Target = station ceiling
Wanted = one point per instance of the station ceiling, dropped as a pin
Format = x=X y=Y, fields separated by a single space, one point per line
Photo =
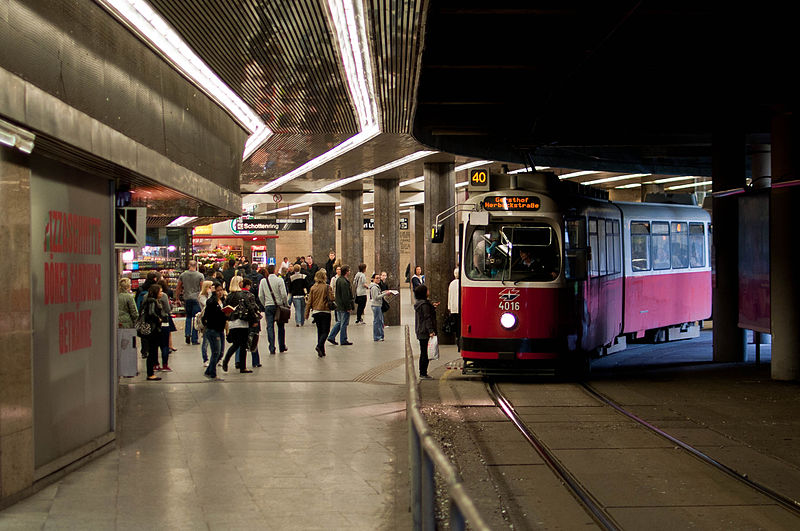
x=620 y=86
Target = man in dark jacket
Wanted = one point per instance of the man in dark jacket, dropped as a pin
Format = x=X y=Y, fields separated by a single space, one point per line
x=424 y=326
x=312 y=270
x=214 y=320
x=344 y=305
x=229 y=273
x=330 y=265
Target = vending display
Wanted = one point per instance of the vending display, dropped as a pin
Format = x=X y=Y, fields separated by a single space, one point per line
x=259 y=255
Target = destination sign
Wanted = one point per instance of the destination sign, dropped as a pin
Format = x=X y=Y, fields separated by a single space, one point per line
x=511 y=203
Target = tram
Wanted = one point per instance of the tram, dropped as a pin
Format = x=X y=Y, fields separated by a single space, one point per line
x=553 y=273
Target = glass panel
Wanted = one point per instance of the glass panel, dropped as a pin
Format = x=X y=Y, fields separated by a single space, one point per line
x=615 y=245
x=697 y=239
x=640 y=245
x=513 y=253
x=679 y=244
x=575 y=248
x=594 y=269
x=601 y=247
x=659 y=243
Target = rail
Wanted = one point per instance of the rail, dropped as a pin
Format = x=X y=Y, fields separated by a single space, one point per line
x=425 y=458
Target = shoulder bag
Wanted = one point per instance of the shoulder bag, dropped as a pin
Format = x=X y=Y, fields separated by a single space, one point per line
x=284 y=312
x=331 y=304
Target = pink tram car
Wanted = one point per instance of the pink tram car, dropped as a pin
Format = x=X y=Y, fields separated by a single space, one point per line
x=552 y=273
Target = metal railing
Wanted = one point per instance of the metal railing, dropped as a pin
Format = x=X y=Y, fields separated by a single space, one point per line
x=425 y=458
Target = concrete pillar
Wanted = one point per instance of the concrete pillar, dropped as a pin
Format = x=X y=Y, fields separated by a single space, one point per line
x=387 y=240
x=784 y=254
x=16 y=378
x=440 y=258
x=352 y=251
x=728 y=172
x=418 y=241
x=322 y=224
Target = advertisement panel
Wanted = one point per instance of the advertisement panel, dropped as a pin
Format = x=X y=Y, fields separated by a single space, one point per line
x=72 y=307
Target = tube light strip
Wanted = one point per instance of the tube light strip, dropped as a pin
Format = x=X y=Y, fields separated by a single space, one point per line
x=412 y=181
x=287 y=208
x=14 y=136
x=617 y=178
x=525 y=170
x=576 y=174
x=180 y=221
x=692 y=185
x=474 y=164
x=154 y=30
x=632 y=185
x=386 y=167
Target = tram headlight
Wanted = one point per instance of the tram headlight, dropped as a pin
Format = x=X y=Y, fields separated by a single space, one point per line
x=508 y=320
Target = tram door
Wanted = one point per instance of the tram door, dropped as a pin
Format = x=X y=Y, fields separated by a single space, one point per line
x=577 y=255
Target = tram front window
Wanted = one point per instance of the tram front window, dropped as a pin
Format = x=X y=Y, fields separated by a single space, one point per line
x=515 y=253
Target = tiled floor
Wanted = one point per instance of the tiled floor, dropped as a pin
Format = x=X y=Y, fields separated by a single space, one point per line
x=302 y=443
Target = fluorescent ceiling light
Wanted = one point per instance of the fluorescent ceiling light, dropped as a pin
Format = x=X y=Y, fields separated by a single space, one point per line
x=369 y=209
x=576 y=174
x=349 y=144
x=461 y=185
x=691 y=185
x=632 y=185
x=671 y=179
x=474 y=164
x=307 y=212
x=14 y=136
x=181 y=221
x=617 y=178
x=412 y=203
x=286 y=208
x=526 y=170
x=412 y=181
x=386 y=167
x=143 y=20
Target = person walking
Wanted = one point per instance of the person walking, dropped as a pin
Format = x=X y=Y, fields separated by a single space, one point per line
x=298 y=287
x=214 y=320
x=319 y=299
x=153 y=314
x=206 y=290
x=376 y=295
x=189 y=285
x=344 y=306
x=244 y=316
x=424 y=326
x=271 y=293
x=362 y=287
x=127 y=313
x=255 y=325
x=452 y=307
x=167 y=327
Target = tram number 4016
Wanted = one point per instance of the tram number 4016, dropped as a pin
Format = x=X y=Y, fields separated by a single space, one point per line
x=504 y=305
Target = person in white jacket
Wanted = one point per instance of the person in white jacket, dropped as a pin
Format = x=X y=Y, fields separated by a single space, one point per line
x=270 y=303
x=452 y=306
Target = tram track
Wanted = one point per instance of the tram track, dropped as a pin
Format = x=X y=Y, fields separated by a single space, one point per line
x=600 y=511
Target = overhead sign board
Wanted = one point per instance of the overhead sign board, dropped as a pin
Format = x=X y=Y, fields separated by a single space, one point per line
x=479 y=179
x=511 y=203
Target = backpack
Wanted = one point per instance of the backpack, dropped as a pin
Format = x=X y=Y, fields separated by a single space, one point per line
x=198 y=323
x=140 y=299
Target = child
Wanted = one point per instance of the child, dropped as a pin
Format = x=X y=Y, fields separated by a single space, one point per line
x=424 y=326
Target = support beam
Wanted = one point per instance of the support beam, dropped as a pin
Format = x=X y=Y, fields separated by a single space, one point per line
x=728 y=172
x=323 y=232
x=784 y=253
x=440 y=258
x=387 y=240
x=352 y=251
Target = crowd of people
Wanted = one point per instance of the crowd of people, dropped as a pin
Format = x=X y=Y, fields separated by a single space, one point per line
x=228 y=305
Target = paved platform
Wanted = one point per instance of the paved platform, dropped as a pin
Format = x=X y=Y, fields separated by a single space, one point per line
x=302 y=443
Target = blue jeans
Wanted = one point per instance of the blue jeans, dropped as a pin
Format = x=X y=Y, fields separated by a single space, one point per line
x=342 y=320
x=214 y=339
x=299 y=304
x=377 y=323
x=192 y=309
x=204 y=348
x=269 y=314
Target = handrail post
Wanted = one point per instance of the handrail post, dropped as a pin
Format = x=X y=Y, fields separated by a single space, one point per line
x=415 y=451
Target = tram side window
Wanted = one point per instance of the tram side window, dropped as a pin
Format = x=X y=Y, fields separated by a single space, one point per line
x=593 y=246
x=602 y=254
x=612 y=238
x=659 y=243
x=697 y=239
x=640 y=245
x=679 y=243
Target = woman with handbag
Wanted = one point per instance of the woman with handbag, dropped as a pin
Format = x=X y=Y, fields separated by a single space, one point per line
x=424 y=326
x=320 y=304
x=153 y=316
x=273 y=297
x=377 y=295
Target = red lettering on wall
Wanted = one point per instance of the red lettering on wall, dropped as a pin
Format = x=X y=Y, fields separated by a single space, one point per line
x=72 y=234
x=74 y=331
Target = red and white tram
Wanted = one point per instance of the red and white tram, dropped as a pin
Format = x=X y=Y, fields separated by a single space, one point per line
x=551 y=276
